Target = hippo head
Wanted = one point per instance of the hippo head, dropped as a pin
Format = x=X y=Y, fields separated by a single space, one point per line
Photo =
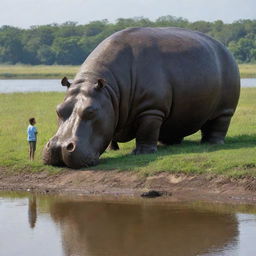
x=86 y=125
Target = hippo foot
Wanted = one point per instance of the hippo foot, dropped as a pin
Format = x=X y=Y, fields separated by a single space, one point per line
x=144 y=149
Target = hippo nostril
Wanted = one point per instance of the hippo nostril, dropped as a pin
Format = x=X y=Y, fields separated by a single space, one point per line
x=70 y=147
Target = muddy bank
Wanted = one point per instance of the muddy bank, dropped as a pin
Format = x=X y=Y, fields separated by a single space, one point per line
x=175 y=187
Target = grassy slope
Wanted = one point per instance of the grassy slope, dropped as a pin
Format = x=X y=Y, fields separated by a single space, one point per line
x=236 y=157
x=26 y=71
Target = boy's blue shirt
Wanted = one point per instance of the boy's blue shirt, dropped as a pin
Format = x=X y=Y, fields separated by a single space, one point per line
x=31 y=131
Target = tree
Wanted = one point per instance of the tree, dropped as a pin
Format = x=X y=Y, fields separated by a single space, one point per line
x=94 y=28
x=46 y=55
x=245 y=49
x=11 y=48
x=201 y=26
x=171 y=21
x=68 y=51
x=70 y=43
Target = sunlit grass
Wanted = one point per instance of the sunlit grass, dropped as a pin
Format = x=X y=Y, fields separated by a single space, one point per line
x=38 y=71
x=247 y=70
x=235 y=158
x=59 y=71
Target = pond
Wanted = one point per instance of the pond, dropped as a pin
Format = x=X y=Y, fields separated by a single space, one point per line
x=82 y=226
x=30 y=85
x=50 y=85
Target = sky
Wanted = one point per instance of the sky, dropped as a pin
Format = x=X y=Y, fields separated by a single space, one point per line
x=26 y=13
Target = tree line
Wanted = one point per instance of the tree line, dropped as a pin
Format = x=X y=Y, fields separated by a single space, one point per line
x=70 y=43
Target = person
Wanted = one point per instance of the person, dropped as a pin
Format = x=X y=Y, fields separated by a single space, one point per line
x=32 y=136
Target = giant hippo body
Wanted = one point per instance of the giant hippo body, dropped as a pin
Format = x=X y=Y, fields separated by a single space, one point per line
x=151 y=84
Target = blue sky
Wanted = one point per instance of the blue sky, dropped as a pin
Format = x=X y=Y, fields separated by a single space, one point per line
x=25 y=13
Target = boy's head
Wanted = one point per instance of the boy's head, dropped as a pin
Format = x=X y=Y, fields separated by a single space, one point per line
x=32 y=120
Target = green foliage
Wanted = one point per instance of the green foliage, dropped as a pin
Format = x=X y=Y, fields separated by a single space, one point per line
x=11 y=48
x=70 y=43
x=46 y=55
x=235 y=158
x=67 y=50
x=245 y=49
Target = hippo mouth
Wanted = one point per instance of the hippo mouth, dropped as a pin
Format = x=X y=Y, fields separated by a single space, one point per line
x=52 y=156
x=80 y=163
x=68 y=155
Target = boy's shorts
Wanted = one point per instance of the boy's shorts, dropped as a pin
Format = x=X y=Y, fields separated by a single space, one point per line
x=32 y=145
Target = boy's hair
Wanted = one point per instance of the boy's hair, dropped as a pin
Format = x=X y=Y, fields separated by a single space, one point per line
x=31 y=120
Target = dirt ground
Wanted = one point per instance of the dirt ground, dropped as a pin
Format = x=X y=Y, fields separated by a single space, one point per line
x=175 y=187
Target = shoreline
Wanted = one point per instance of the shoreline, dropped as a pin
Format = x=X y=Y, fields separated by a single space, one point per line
x=130 y=185
x=70 y=75
x=247 y=70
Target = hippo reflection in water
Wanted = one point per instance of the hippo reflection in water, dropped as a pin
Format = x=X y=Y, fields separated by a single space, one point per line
x=151 y=84
x=102 y=228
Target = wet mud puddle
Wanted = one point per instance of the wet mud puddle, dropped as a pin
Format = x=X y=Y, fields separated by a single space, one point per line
x=79 y=226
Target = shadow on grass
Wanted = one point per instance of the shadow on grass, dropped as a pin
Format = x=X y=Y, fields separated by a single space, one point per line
x=123 y=161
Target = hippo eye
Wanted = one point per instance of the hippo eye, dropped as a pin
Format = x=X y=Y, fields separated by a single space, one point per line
x=63 y=112
x=88 y=113
x=59 y=113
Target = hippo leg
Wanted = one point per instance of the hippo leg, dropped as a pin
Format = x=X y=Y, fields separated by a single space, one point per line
x=113 y=145
x=214 y=131
x=147 y=135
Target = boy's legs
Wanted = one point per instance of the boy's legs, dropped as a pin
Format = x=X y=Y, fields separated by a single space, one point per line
x=32 y=149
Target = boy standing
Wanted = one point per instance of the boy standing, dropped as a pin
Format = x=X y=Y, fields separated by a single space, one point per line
x=32 y=133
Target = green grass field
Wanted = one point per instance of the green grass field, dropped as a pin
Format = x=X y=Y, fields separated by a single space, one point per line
x=236 y=158
x=37 y=72
x=247 y=70
x=55 y=71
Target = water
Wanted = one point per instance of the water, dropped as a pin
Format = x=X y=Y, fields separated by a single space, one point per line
x=78 y=226
x=248 y=82
x=31 y=85
x=49 y=85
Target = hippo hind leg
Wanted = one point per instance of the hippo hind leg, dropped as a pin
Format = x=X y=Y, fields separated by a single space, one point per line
x=214 y=131
x=113 y=145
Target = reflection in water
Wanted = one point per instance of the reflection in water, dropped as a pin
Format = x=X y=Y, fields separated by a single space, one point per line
x=95 y=229
x=17 y=238
x=32 y=211
x=78 y=227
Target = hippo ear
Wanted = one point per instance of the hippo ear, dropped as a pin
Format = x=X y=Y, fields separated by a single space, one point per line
x=65 y=82
x=100 y=84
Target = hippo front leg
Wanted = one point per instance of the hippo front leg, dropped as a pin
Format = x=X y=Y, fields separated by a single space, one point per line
x=147 y=135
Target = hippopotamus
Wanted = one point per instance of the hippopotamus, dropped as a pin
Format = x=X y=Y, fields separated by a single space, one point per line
x=151 y=84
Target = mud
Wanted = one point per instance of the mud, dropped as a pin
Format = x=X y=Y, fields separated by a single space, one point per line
x=173 y=187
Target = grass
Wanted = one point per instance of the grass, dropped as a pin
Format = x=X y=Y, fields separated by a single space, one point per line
x=37 y=72
x=58 y=71
x=236 y=158
x=247 y=70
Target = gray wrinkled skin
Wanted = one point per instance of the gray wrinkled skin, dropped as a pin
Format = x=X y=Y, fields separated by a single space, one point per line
x=152 y=84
